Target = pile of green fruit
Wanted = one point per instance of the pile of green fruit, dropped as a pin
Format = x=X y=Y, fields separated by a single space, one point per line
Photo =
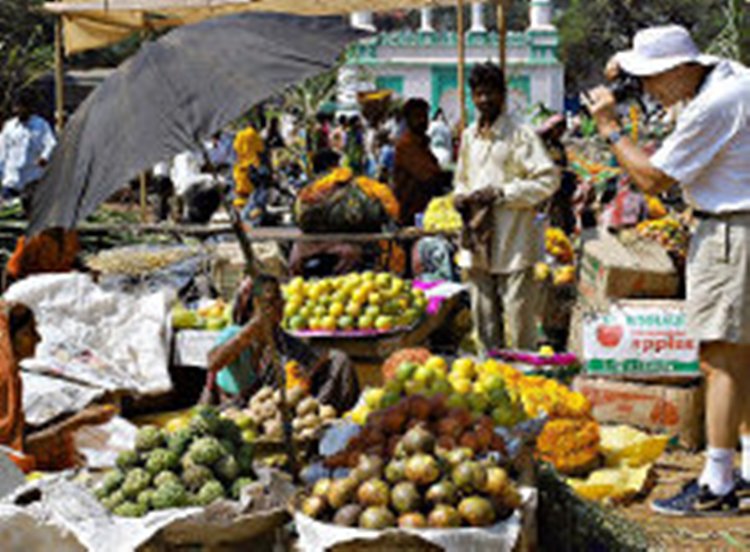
x=194 y=466
x=366 y=301
x=418 y=488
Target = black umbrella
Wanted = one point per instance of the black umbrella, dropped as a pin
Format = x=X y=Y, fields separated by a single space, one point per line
x=173 y=93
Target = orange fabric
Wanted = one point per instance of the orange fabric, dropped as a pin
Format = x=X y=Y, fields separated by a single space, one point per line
x=11 y=410
x=53 y=250
x=416 y=176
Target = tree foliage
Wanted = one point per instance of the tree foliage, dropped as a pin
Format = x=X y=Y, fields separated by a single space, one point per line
x=593 y=30
x=26 y=51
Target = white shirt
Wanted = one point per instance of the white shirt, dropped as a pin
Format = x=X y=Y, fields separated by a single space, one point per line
x=709 y=151
x=513 y=158
x=186 y=172
x=161 y=169
x=22 y=145
x=441 y=141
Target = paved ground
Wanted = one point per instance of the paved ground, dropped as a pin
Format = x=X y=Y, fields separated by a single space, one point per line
x=726 y=533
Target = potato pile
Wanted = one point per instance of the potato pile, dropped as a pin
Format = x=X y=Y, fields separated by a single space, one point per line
x=263 y=414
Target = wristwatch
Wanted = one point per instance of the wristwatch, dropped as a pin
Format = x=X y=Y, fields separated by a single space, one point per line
x=613 y=137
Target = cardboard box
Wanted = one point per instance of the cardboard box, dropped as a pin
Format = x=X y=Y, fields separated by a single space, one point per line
x=638 y=337
x=676 y=410
x=611 y=269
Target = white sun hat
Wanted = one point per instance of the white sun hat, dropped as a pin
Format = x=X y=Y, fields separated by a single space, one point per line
x=659 y=49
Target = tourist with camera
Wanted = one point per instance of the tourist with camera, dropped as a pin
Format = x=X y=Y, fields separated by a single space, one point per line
x=708 y=155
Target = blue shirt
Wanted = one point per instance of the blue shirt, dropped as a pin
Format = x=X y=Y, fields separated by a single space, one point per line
x=239 y=375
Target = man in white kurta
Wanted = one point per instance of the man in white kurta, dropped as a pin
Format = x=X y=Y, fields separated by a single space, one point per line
x=503 y=164
x=26 y=145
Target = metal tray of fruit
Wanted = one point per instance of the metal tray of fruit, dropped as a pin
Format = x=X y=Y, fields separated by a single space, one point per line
x=353 y=334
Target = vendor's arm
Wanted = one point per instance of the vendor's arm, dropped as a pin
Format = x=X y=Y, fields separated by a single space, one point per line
x=539 y=178
x=647 y=175
x=48 y=143
x=461 y=178
x=225 y=354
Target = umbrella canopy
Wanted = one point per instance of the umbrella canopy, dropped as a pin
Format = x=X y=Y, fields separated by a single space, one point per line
x=172 y=94
x=97 y=23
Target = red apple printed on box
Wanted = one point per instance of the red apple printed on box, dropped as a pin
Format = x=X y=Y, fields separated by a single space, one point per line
x=609 y=335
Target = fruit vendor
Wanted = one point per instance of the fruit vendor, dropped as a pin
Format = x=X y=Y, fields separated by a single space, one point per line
x=504 y=173
x=707 y=155
x=417 y=176
x=51 y=448
x=243 y=359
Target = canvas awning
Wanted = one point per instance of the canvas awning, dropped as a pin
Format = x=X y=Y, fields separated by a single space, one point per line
x=91 y=24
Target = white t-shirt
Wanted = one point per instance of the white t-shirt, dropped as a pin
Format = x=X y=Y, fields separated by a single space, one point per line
x=22 y=145
x=709 y=151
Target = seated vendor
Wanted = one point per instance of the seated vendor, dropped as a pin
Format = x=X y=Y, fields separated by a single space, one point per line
x=51 y=448
x=52 y=250
x=243 y=359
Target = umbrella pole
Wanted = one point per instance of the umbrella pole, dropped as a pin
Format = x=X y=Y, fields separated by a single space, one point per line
x=461 y=38
x=59 y=78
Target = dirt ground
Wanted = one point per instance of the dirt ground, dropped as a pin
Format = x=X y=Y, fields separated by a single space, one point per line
x=718 y=533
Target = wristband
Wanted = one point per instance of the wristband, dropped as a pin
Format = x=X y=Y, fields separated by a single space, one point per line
x=613 y=137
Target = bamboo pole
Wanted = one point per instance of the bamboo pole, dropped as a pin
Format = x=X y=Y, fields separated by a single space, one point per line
x=502 y=32
x=59 y=78
x=143 y=197
x=461 y=38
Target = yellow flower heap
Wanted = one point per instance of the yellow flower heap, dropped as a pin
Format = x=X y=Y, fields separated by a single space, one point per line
x=441 y=216
x=570 y=439
x=559 y=246
x=248 y=145
x=667 y=231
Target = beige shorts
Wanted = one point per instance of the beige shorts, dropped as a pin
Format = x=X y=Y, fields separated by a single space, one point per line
x=718 y=280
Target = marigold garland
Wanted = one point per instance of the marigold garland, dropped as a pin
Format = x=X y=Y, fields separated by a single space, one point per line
x=323 y=186
x=381 y=192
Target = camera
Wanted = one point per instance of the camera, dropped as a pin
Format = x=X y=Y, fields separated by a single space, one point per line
x=627 y=87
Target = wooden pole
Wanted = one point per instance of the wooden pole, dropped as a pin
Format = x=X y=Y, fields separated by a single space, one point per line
x=502 y=33
x=59 y=77
x=144 y=197
x=461 y=38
